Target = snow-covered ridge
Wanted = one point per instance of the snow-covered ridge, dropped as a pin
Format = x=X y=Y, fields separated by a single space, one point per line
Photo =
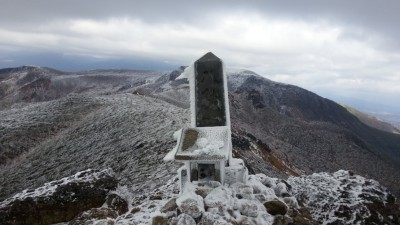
x=341 y=197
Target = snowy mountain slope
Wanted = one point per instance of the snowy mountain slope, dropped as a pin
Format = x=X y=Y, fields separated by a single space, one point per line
x=37 y=84
x=311 y=133
x=129 y=133
x=125 y=120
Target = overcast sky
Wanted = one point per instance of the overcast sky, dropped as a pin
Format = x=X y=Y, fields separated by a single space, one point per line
x=341 y=48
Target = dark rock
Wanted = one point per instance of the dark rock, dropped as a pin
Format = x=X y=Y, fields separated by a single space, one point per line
x=276 y=207
x=383 y=212
x=256 y=98
x=71 y=196
x=159 y=220
x=169 y=206
x=282 y=220
x=155 y=197
x=189 y=138
x=117 y=203
x=135 y=210
x=302 y=216
x=203 y=191
x=94 y=214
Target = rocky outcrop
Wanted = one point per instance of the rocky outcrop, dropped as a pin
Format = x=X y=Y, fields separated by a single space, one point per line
x=192 y=207
x=59 y=201
x=101 y=215
x=341 y=197
x=117 y=203
x=169 y=206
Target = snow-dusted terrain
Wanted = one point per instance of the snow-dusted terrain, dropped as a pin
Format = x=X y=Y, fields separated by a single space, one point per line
x=321 y=198
x=55 y=124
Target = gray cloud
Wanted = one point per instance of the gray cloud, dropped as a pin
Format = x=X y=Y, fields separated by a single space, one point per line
x=331 y=47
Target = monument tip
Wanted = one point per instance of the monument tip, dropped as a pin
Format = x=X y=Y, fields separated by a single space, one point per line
x=209 y=57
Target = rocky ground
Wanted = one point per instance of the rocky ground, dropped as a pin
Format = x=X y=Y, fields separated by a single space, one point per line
x=94 y=197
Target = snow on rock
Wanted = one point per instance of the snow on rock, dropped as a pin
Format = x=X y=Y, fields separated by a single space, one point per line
x=204 y=203
x=59 y=201
x=321 y=198
x=191 y=203
x=218 y=197
x=171 y=154
x=281 y=189
x=345 y=198
x=48 y=189
x=185 y=219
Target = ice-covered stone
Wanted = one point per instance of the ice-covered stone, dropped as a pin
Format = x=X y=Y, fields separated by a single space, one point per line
x=60 y=200
x=191 y=207
x=210 y=219
x=169 y=206
x=218 y=197
x=291 y=202
x=248 y=208
x=185 y=219
x=281 y=189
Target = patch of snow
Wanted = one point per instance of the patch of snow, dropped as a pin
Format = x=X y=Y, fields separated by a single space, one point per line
x=187 y=73
x=210 y=141
x=171 y=154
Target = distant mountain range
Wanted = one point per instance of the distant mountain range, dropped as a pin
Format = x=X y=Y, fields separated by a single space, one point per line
x=54 y=124
x=373 y=121
x=389 y=112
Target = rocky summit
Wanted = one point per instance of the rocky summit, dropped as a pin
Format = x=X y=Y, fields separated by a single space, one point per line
x=298 y=146
x=93 y=197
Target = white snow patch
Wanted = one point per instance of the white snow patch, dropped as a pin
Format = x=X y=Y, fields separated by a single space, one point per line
x=171 y=154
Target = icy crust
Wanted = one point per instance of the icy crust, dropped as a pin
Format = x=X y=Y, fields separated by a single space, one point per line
x=338 y=198
x=238 y=76
x=206 y=203
x=142 y=209
x=171 y=154
x=210 y=141
x=49 y=188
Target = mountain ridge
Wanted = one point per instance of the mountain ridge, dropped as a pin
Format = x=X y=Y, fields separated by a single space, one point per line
x=125 y=121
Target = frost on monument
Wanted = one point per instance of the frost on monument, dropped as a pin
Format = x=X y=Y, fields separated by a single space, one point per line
x=205 y=147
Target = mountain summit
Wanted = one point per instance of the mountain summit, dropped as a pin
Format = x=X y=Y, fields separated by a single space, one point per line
x=54 y=124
